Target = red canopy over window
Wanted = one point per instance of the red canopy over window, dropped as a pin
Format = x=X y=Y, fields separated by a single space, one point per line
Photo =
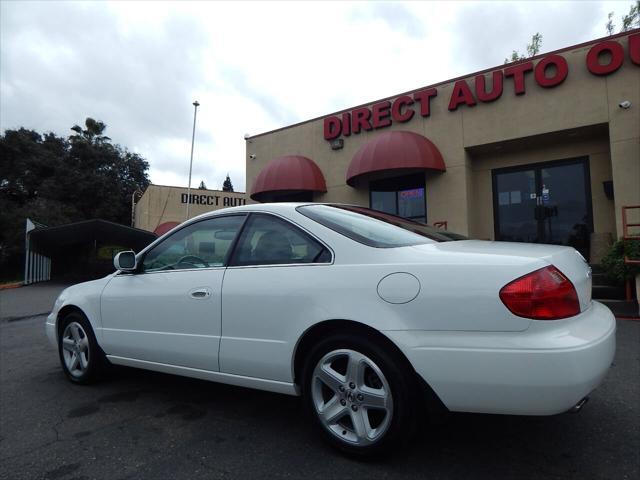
x=164 y=228
x=291 y=173
x=395 y=151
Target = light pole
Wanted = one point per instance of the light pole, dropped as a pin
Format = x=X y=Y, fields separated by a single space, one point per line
x=133 y=205
x=193 y=136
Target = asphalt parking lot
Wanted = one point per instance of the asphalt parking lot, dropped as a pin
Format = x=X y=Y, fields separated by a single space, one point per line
x=142 y=425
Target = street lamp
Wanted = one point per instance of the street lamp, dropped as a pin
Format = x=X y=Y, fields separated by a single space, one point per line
x=137 y=192
x=193 y=136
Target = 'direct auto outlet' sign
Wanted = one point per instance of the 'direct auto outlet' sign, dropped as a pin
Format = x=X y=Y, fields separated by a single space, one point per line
x=603 y=58
x=215 y=200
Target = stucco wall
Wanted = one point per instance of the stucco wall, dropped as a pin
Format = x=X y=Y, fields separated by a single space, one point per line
x=160 y=204
x=462 y=194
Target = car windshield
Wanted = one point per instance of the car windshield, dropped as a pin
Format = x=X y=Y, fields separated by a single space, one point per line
x=372 y=228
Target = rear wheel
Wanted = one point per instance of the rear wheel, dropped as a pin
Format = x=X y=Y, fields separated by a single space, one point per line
x=80 y=355
x=359 y=395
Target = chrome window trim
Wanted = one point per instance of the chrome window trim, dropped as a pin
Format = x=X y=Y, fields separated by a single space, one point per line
x=173 y=271
x=272 y=265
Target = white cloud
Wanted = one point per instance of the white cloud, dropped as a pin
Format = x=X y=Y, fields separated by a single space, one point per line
x=253 y=66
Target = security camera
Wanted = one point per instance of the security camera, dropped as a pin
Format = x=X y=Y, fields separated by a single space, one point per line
x=252 y=156
x=247 y=136
x=625 y=104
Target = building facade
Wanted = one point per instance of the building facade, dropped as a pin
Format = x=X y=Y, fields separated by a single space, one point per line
x=542 y=150
x=160 y=208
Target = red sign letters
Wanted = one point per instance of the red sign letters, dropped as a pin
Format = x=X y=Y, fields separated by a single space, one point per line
x=603 y=58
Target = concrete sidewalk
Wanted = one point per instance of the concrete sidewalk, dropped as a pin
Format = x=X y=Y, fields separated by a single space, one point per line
x=30 y=300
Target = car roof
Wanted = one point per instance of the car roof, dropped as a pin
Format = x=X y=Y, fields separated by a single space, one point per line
x=256 y=207
x=289 y=207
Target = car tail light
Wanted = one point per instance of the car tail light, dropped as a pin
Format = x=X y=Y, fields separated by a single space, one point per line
x=545 y=294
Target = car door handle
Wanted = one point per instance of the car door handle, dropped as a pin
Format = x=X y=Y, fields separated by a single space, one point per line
x=200 y=293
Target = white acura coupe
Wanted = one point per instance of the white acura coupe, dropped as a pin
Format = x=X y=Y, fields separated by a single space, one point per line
x=373 y=319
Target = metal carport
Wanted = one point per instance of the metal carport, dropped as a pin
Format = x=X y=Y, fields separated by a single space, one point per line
x=72 y=249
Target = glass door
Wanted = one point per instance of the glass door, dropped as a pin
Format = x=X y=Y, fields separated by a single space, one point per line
x=565 y=205
x=544 y=203
x=516 y=199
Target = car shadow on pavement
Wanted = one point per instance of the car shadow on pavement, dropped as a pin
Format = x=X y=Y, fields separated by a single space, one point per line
x=463 y=446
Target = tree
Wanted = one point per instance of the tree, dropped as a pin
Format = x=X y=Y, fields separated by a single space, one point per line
x=629 y=21
x=610 y=26
x=515 y=57
x=56 y=180
x=227 y=186
x=632 y=20
x=533 y=49
x=202 y=185
x=92 y=134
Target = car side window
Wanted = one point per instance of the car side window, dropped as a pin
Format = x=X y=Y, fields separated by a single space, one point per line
x=268 y=240
x=203 y=244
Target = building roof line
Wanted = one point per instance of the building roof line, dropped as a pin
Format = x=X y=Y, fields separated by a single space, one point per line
x=451 y=80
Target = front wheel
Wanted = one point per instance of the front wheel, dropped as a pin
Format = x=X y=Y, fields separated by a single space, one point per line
x=80 y=355
x=359 y=395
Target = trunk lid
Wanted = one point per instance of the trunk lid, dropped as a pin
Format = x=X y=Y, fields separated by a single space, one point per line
x=566 y=259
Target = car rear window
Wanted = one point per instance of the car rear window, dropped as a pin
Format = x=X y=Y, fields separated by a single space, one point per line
x=366 y=226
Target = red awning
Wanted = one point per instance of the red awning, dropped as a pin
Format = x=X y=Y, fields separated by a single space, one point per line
x=291 y=173
x=395 y=151
x=164 y=228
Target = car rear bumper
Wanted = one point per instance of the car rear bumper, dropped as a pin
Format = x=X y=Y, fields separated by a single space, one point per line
x=544 y=370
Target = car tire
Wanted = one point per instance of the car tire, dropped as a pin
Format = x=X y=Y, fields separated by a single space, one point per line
x=360 y=395
x=81 y=357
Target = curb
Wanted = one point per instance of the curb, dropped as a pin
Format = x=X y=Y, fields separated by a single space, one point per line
x=7 y=286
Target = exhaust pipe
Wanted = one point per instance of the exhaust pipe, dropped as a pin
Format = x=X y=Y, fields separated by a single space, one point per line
x=578 y=406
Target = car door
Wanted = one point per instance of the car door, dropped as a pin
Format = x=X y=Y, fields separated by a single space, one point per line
x=169 y=311
x=265 y=292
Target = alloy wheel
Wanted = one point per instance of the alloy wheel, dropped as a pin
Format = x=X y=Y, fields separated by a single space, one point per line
x=75 y=349
x=352 y=397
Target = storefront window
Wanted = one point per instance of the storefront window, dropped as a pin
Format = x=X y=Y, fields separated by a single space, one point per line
x=291 y=197
x=402 y=196
x=411 y=203
x=386 y=202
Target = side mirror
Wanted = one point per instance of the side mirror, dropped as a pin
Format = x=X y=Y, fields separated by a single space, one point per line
x=125 y=261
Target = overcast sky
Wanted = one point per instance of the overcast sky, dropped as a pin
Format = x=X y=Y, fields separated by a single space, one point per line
x=253 y=67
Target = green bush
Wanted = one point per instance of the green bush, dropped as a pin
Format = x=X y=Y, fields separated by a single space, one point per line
x=613 y=262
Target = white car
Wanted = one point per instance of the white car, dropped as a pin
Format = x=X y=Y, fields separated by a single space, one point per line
x=373 y=319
